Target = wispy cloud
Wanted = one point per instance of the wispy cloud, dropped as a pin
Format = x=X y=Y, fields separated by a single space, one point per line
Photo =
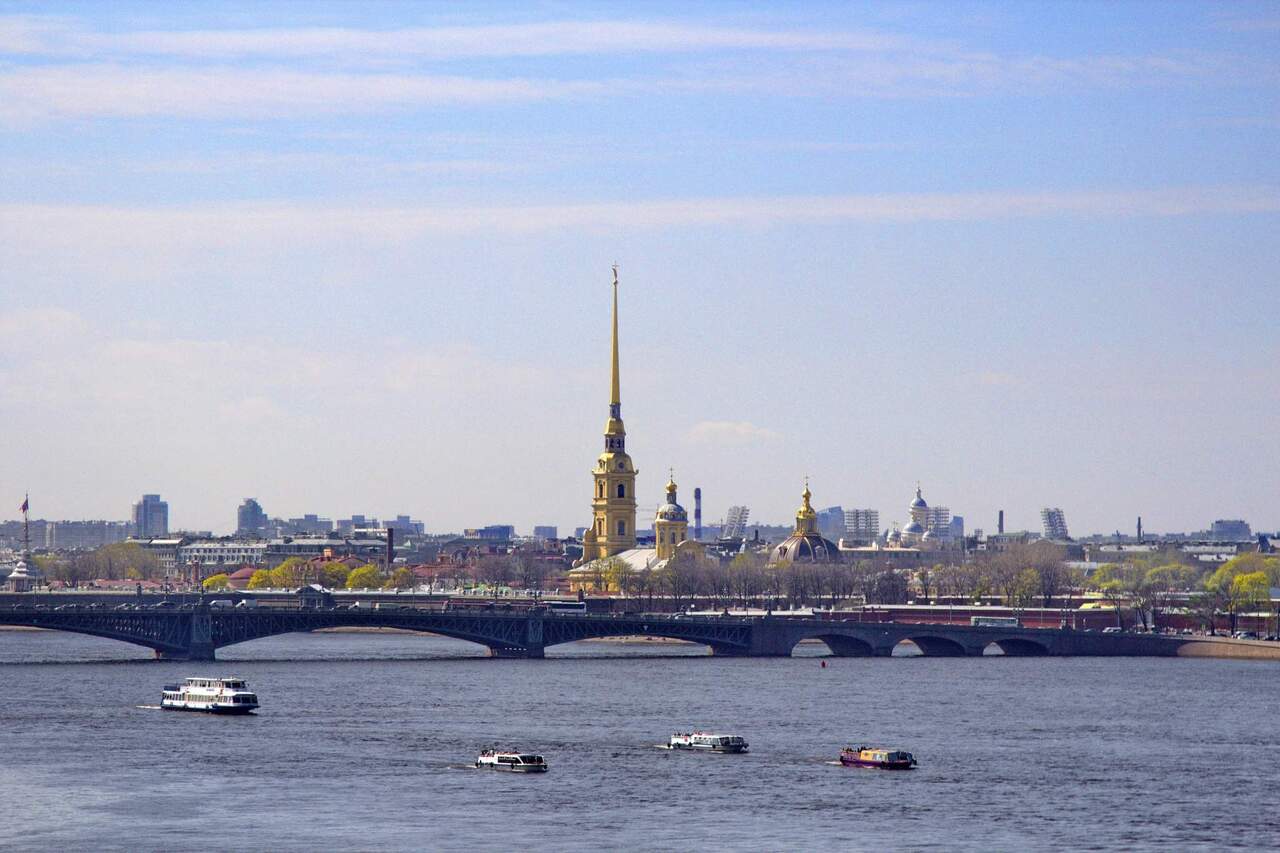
x=47 y=227
x=287 y=73
x=63 y=37
x=222 y=92
x=737 y=432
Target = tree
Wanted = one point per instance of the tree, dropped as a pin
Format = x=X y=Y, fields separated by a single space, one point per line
x=261 y=579
x=618 y=575
x=1234 y=588
x=746 y=575
x=496 y=570
x=401 y=578
x=1118 y=583
x=216 y=582
x=365 y=577
x=332 y=574
x=291 y=573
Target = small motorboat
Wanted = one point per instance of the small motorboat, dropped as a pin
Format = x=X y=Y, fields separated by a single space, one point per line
x=881 y=759
x=514 y=762
x=707 y=741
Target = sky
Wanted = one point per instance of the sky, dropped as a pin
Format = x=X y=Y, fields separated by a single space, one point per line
x=355 y=258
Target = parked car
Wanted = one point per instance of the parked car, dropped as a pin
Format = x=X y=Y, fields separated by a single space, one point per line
x=1111 y=630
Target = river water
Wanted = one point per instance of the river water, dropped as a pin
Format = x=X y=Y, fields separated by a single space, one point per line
x=365 y=741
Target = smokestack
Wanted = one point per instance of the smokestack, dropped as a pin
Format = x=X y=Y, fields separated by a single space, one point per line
x=697 y=514
x=1000 y=522
x=1139 y=530
x=391 y=547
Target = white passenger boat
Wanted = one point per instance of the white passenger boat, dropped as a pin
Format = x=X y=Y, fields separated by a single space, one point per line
x=708 y=741
x=212 y=695
x=515 y=762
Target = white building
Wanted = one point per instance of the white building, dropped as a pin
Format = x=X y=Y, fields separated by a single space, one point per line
x=862 y=525
x=222 y=553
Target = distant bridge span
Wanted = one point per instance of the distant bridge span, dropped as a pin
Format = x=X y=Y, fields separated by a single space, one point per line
x=196 y=632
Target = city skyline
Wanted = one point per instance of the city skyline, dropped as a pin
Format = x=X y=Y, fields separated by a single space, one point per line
x=1023 y=256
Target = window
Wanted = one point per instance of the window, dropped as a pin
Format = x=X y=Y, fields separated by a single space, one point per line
x=622 y=528
x=622 y=490
x=600 y=489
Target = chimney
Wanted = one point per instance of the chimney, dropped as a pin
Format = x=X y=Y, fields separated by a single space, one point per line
x=1139 y=530
x=1000 y=522
x=391 y=547
x=697 y=514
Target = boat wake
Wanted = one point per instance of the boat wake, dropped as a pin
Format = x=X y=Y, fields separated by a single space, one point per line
x=149 y=707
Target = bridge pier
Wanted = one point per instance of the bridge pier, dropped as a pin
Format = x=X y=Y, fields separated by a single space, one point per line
x=507 y=652
x=203 y=652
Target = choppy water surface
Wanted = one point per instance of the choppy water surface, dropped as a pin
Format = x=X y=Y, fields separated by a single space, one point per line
x=365 y=742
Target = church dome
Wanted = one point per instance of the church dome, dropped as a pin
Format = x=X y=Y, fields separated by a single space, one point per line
x=919 y=503
x=913 y=529
x=671 y=510
x=805 y=544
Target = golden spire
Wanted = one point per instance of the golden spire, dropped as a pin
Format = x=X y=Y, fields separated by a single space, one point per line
x=671 y=484
x=616 y=398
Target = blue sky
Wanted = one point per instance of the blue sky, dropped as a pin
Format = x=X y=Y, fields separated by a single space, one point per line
x=354 y=257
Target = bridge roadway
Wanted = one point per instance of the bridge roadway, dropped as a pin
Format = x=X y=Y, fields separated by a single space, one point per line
x=196 y=632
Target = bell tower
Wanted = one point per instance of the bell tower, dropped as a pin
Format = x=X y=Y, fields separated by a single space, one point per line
x=613 y=501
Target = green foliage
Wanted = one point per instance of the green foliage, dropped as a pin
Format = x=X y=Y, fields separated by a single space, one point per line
x=401 y=578
x=216 y=582
x=261 y=579
x=366 y=577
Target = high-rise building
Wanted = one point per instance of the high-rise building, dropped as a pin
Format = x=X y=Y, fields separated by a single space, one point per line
x=735 y=522
x=1231 y=530
x=613 y=500
x=546 y=531
x=251 y=520
x=403 y=525
x=831 y=521
x=861 y=525
x=1055 y=523
x=84 y=535
x=310 y=524
x=938 y=521
x=150 y=517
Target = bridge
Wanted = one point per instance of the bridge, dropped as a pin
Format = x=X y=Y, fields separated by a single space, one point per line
x=195 y=632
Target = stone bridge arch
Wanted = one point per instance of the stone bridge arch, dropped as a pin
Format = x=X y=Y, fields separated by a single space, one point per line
x=1020 y=647
x=841 y=645
x=931 y=645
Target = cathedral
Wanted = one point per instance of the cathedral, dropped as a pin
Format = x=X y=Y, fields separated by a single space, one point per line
x=612 y=534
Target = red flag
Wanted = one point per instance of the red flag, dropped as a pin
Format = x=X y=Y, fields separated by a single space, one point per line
x=23 y=508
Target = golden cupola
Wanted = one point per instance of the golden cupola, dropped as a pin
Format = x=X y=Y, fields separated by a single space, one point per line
x=805 y=544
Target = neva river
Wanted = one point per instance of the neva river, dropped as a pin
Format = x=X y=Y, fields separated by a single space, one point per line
x=365 y=742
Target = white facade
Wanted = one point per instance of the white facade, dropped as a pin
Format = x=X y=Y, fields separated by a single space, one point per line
x=223 y=553
x=862 y=525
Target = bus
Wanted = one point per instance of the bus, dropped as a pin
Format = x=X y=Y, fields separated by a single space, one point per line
x=566 y=606
x=995 y=622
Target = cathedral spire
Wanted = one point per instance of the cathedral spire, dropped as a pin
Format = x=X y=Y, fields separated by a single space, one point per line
x=615 y=395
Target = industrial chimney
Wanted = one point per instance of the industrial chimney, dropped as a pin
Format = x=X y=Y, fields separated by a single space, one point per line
x=1000 y=522
x=697 y=514
x=1139 y=530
